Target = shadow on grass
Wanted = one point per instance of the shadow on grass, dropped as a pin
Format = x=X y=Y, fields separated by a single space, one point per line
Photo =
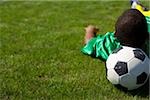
x=142 y=91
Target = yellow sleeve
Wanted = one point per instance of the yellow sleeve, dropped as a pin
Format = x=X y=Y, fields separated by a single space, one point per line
x=145 y=13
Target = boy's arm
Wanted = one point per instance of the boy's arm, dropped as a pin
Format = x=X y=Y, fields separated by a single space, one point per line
x=89 y=40
x=89 y=48
x=101 y=46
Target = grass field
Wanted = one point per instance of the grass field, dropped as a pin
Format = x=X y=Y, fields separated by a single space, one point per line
x=40 y=56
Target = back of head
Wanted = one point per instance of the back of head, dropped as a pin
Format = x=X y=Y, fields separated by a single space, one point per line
x=131 y=28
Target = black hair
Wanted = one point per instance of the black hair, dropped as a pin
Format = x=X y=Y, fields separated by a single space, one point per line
x=131 y=28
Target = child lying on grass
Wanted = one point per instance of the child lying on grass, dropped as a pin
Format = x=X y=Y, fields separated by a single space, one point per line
x=131 y=29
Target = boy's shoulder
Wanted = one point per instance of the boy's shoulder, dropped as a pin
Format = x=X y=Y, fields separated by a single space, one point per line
x=106 y=35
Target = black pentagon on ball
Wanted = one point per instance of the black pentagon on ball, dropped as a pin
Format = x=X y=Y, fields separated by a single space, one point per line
x=121 y=68
x=139 y=54
x=116 y=50
x=141 y=78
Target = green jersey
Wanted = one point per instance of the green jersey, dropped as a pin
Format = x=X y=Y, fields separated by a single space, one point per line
x=148 y=23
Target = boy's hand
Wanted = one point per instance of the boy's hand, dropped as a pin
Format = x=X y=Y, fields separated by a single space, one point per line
x=91 y=29
x=90 y=32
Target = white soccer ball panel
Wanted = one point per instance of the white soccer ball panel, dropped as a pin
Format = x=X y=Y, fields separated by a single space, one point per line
x=128 y=48
x=125 y=54
x=146 y=65
x=112 y=76
x=128 y=81
x=111 y=61
x=135 y=67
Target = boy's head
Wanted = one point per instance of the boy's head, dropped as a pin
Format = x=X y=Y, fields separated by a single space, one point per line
x=131 y=28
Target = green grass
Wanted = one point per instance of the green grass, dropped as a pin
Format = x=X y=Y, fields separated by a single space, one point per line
x=40 y=54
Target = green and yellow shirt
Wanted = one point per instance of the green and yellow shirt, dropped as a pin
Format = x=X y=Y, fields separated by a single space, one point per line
x=103 y=45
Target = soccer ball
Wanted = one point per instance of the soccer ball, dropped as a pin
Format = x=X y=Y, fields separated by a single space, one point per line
x=128 y=67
